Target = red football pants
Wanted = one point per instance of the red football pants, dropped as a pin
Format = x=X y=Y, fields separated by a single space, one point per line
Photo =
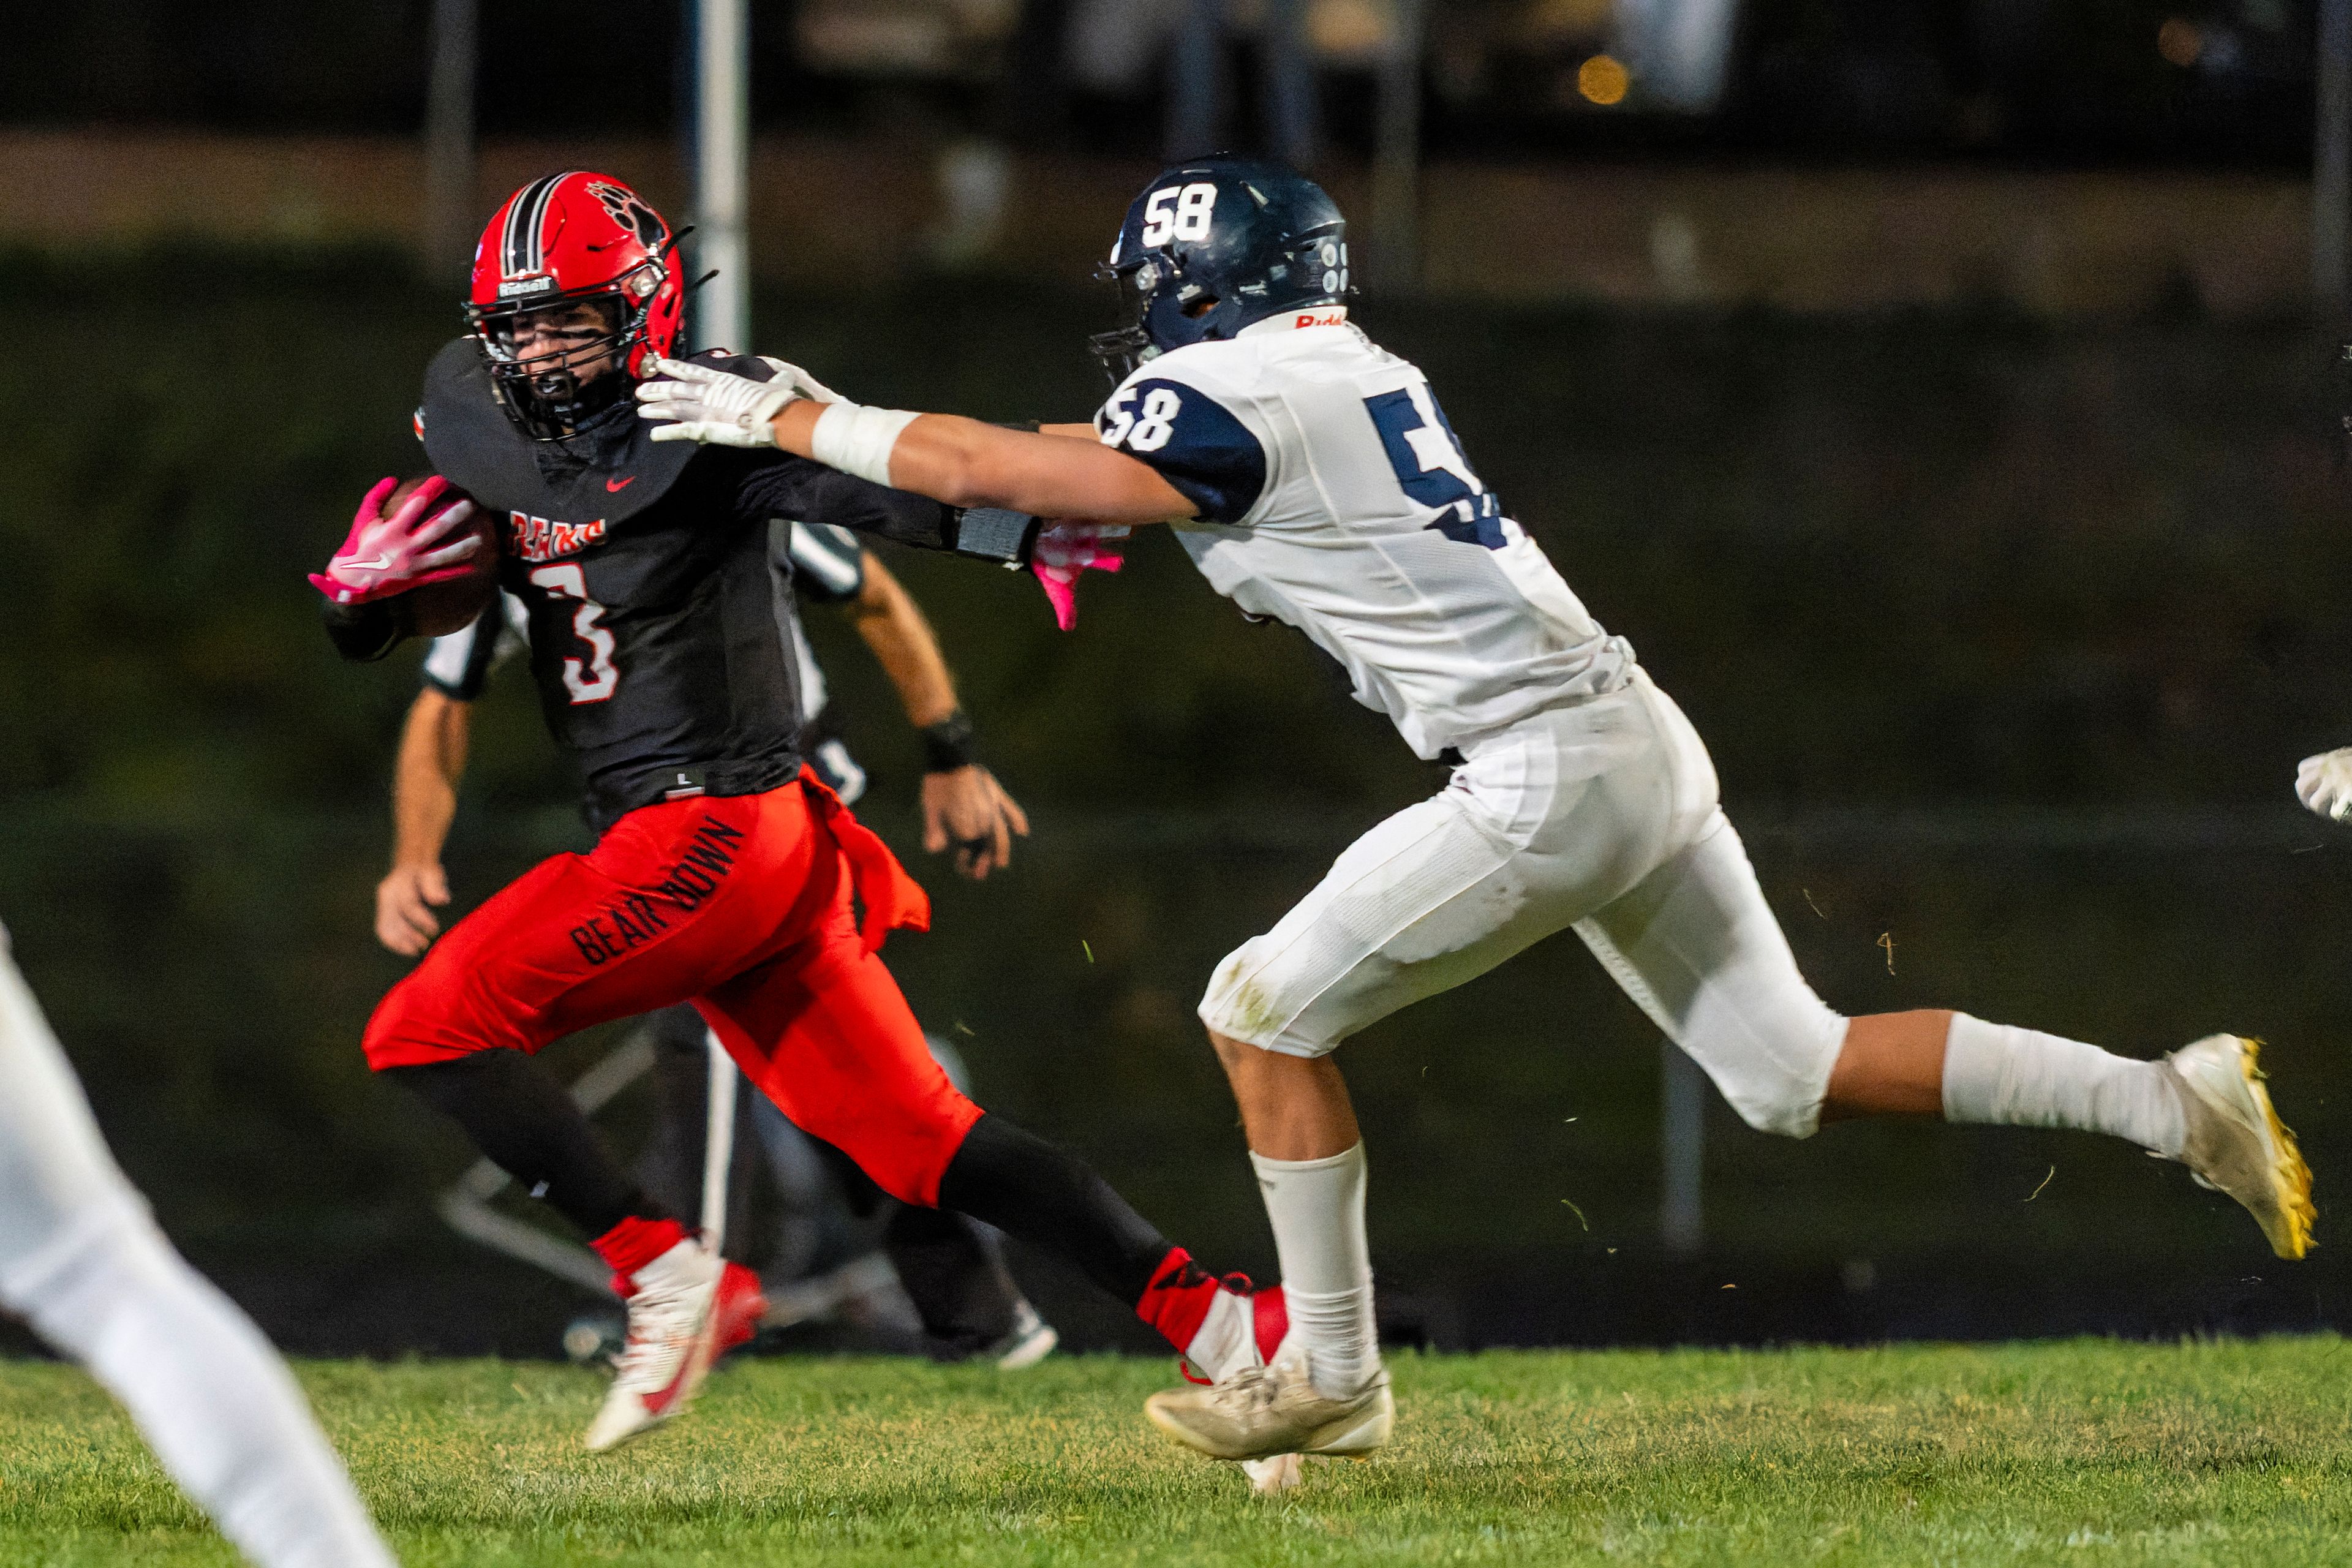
x=741 y=904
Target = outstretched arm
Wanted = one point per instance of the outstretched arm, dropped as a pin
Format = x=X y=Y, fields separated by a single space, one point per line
x=998 y=486
x=424 y=801
x=962 y=803
x=968 y=463
x=1060 y=473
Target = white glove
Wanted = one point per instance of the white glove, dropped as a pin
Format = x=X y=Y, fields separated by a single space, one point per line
x=2324 y=783
x=801 y=381
x=714 y=406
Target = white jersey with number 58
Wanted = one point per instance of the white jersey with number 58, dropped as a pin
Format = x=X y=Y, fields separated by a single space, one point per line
x=1334 y=497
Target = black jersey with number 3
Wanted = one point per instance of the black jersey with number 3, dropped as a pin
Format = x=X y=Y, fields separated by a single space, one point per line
x=643 y=567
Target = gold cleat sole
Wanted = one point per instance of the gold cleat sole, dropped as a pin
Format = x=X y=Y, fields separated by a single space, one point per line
x=2237 y=1145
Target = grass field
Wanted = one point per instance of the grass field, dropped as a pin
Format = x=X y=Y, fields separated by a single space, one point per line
x=2080 y=1453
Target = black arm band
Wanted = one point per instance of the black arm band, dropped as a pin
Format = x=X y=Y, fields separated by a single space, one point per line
x=992 y=533
x=949 y=744
x=365 y=632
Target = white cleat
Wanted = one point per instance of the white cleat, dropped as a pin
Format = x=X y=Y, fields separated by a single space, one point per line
x=2237 y=1144
x=1033 y=1338
x=1262 y=1412
x=686 y=1303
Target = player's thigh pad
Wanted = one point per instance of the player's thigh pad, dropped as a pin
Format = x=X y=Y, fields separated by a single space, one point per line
x=1541 y=827
x=674 y=898
x=60 y=1190
x=824 y=1031
x=1698 y=947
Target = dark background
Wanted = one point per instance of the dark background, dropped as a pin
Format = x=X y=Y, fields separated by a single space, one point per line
x=2046 y=79
x=2006 y=628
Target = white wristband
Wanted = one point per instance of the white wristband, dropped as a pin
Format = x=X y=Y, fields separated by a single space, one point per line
x=857 y=439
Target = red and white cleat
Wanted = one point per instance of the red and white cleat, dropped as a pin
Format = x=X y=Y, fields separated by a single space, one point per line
x=687 y=1308
x=1222 y=1351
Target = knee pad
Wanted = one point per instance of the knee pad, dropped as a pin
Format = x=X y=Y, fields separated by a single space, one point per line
x=1239 y=1006
x=1771 y=1060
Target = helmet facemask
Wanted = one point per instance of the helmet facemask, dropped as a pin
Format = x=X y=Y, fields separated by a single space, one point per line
x=558 y=365
x=1126 y=347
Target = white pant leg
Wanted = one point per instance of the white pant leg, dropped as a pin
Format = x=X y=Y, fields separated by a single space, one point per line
x=1541 y=826
x=80 y=1259
x=1698 y=948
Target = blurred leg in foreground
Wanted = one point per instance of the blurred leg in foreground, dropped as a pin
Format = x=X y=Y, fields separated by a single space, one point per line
x=82 y=1261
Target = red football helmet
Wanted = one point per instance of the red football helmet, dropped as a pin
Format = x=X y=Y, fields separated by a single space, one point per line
x=573 y=291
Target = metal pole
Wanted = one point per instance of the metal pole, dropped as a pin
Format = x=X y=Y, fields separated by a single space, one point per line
x=1682 y=1148
x=1396 y=153
x=722 y=169
x=718 y=1143
x=2331 y=163
x=1290 y=108
x=449 y=139
x=1196 y=88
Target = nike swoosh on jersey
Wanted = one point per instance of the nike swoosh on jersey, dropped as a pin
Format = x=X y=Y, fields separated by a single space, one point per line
x=620 y=484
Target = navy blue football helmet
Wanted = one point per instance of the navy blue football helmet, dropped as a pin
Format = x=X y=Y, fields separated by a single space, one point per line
x=1214 y=245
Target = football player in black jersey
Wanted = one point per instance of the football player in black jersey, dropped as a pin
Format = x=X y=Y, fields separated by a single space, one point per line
x=952 y=1270
x=726 y=873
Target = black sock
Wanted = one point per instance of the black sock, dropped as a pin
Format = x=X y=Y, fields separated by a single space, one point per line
x=521 y=1118
x=1024 y=1187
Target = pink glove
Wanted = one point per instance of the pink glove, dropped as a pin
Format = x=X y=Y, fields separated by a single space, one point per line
x=1066 y=549
x=414 y=546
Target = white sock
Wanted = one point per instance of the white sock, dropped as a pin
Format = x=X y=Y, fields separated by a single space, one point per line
x=1317 y=1210
x=216 y=1404
x=1226 y=1341
x=2018 y=1078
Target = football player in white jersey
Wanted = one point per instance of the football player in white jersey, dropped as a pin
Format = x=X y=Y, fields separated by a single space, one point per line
x=82 y=1262
x=1313 y=479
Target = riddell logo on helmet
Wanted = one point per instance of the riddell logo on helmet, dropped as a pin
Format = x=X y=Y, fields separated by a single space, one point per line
x=538 y=539
x=525 y=286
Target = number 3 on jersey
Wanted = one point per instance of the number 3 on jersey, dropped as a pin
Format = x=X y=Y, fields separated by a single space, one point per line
x=1429 y=464
x=596 y=679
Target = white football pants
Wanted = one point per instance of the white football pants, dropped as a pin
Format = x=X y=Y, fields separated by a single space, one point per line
x=80 y=1258
x=1601 y=816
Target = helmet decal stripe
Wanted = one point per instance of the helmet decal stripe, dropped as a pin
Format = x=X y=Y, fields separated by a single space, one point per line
x=525 y=250
x=539 y=220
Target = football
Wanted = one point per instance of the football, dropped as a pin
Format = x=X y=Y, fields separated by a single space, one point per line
x=439 y=608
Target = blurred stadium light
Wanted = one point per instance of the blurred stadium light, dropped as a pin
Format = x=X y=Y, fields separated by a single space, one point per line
x=952 y=38
x=1677 y=52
